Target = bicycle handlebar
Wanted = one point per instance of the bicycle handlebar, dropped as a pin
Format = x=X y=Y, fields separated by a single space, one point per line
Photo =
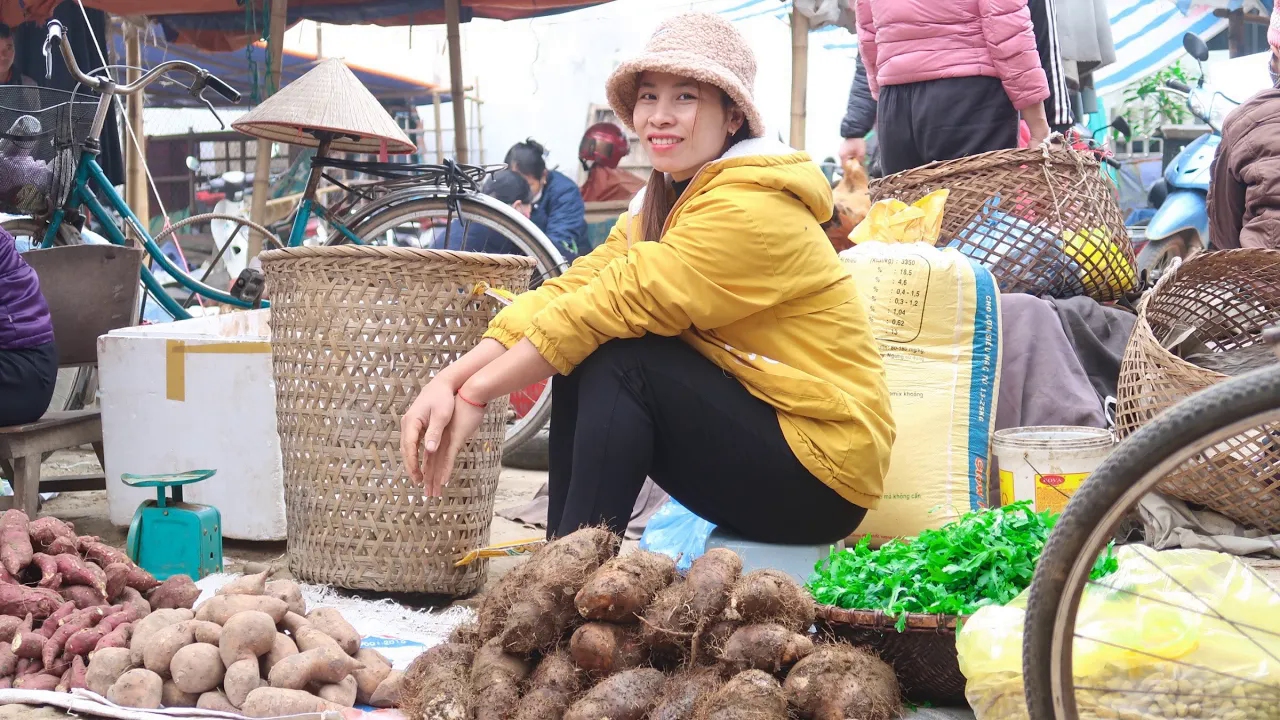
x=104 y=85
x=1177 y=85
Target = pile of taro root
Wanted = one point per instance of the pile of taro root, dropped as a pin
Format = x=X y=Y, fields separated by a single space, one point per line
x=77 y=613
x=579 y=634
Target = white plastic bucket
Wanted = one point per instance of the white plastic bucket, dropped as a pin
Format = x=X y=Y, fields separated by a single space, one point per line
x=1047 y=464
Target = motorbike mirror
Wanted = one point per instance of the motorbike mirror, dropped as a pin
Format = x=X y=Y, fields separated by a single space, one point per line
x=1122 y=126
x=1195 y=47
x=193 y=164
x=233 y=177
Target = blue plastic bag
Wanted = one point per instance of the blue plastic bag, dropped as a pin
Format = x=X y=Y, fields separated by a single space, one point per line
x=675 y=531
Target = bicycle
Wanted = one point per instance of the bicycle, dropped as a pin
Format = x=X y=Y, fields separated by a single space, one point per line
x=1233 y=418
x=407 y=194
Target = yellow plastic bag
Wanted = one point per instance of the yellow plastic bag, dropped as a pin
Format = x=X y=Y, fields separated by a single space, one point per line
x=893 y=221
x=1173 y=634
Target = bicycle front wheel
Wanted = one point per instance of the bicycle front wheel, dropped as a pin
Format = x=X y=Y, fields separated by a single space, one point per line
x=1222 y=419
x=531 y=407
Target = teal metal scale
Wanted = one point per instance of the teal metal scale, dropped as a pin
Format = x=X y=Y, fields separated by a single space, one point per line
x=170 y=537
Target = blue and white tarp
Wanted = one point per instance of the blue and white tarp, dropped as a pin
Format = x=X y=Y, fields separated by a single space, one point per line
x=1148 y=38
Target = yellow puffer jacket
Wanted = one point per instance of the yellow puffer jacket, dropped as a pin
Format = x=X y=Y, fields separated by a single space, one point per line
x=744 y=274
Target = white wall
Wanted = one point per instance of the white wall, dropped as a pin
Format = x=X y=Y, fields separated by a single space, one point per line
x=537 y=77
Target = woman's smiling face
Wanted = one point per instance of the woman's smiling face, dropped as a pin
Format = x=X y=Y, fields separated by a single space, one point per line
x=682 y=123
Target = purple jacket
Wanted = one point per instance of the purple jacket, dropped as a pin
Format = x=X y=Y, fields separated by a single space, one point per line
x=24 y=314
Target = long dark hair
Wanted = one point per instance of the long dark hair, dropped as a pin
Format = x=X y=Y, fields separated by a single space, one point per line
x=660 y=199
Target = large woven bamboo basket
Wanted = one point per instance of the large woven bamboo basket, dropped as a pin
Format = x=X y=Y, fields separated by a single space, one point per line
x=1223 y=300
x=1044 y=221
x=357 y=331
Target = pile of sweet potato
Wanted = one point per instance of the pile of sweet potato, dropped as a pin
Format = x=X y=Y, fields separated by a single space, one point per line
x=578 y=634
x=251 y=649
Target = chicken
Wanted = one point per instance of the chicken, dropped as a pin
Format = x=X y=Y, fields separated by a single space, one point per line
x=852 y=201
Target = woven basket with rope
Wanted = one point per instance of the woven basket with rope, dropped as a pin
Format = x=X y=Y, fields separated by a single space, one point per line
x=357 y=331
x=1218 y=303
x=1044 y=221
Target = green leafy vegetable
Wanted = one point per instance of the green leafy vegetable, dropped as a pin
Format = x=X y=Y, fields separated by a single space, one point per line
x=984 y=558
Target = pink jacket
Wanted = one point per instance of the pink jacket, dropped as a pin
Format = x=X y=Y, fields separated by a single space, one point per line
x=907 y=41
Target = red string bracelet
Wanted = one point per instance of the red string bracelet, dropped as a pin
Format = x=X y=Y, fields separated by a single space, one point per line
x=472 y=403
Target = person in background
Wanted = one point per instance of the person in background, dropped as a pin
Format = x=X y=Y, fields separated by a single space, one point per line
x=28 y=358
x=558 y=210
x=602 y=149
x=506 y=186
x=714 y=343
x=1244 y=185
x=955 y=76
x=8 y=53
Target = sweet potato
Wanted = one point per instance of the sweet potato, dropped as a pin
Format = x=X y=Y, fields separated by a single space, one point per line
x=604 y=648
x=290 y=593
x=15 y=542
x=79 y=673
x=628 y=695
x=220 y=608
x=38 y=681
x=216 y=700
x=157 y=654
x=771 y=648
x=323 y=666
x=342 y=694
x=6 y=683
x=8 y=661
x=179 y=591
x=62 y=545
x=624 y=586
x=246 y=585
x=138 y=689
x=771 y=597
x=247 y=635
x=82 y=596
x=49 y=575
x=270 y=702
x=676 y=612
x=28 y=645
x=751 y=695
x=45 y=530
x=149 y=625
x=52 y=622
x=197 y=668
x=117 y=578
x=117 y=638
x=60 y=665
x=840 y=681
x=281 y=648
x=134 y=599
x=389 y=693
x=375 y=670
x=78 y=572
x=98 y=552
x=9 y=627
x=171 y=696
x=306 y=635
x=85 y=641
x=28 y=666
x=19 y=601
x=684 y=692
x=72 y=624
x=243 y=677
x=331 y=623
x=552 y=687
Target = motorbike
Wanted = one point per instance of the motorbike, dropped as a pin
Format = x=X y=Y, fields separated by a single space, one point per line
x=1180 y=226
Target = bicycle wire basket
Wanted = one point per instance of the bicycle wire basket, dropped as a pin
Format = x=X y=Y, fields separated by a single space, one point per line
x=1044 y=221
x=1221 y=302
x=40 y=130
x=356 y=332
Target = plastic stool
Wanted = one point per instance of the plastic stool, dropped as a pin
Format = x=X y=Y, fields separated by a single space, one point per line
x=795 y=560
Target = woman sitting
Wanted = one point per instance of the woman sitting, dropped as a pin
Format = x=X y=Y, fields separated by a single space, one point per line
x=28 y=358
x=714 y=343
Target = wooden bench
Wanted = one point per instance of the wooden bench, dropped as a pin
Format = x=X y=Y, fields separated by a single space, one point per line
x=91 y=290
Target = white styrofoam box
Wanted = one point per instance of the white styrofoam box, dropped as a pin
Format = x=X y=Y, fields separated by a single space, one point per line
x=191 y=395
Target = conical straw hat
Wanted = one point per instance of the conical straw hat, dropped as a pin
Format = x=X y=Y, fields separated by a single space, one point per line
x=328 y=98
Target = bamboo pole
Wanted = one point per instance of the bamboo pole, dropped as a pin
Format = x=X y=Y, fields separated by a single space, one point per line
x=799 y=76
x=479 y=125
x=453 y=19
x=435 y=103
x=262 y=164
x=137 y=194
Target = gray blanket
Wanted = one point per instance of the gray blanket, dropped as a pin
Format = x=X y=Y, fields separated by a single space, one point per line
x=1041 y=380
x=1099 y=335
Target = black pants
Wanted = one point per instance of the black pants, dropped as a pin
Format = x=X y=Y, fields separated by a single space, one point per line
x=27 y=378
x=654 y=407
x=924 y=122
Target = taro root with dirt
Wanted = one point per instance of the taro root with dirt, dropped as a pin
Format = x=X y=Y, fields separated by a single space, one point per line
x=678 y=611
x=551 y=689
x=624 y=586
x=768 y=597
x=437 y=684
x=751 y=695
x=840 y=681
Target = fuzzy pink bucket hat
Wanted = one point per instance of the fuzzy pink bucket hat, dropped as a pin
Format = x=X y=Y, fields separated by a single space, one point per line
x=1273 y=31
x=700 y=46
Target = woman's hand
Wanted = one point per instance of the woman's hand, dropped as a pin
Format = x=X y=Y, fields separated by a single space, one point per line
x=427 y=419
x=466 y=419
x=1038 y=123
